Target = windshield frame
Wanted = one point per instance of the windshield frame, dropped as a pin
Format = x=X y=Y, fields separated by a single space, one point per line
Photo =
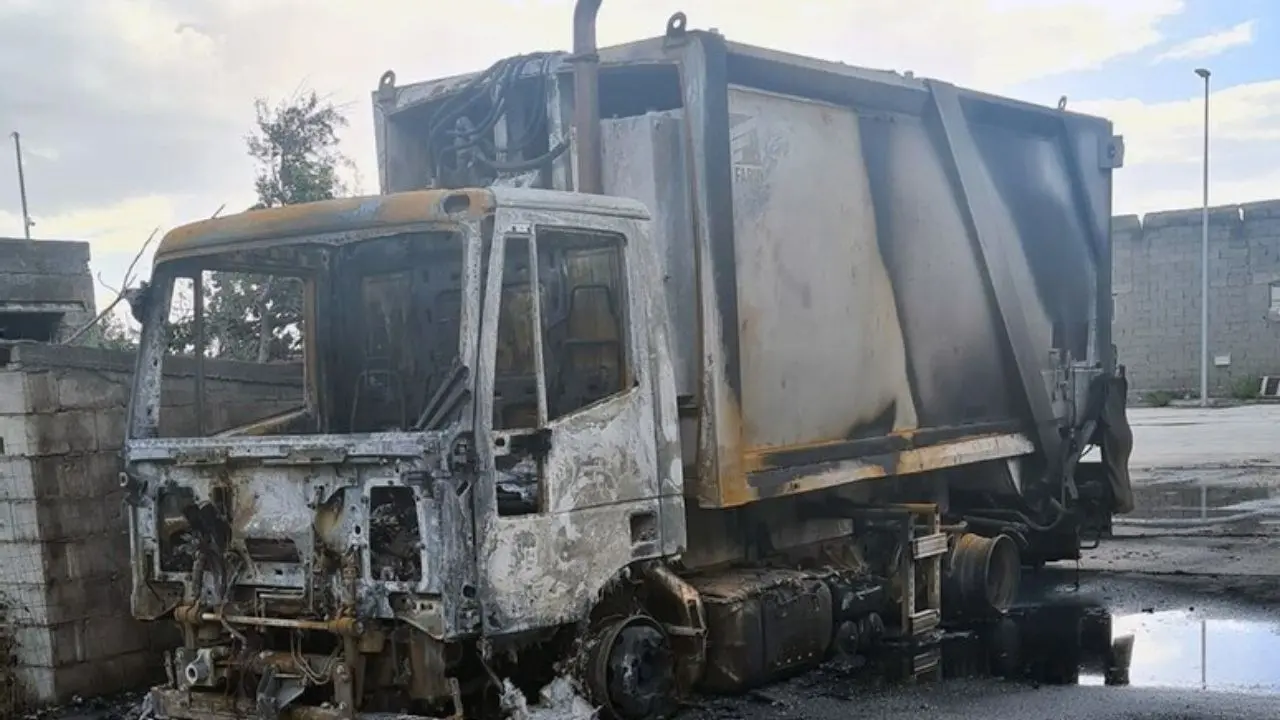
x=153 y=313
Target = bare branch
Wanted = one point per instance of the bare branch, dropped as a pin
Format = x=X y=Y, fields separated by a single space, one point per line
x=128 y=276
x=104 y=284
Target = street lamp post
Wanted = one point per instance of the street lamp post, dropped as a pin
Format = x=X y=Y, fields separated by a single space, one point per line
x=1204 y=253
x=22 y=185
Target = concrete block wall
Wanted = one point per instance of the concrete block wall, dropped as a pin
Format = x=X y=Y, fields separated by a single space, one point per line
x=64 y=549
x=1156 y=286
x=46 y=276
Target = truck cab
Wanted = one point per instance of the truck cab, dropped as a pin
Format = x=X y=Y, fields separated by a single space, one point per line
x=461 y=458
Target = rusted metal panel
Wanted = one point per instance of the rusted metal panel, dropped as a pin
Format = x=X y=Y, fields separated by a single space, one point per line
x=953 y=247
x=344 y=215
x=644 y=160
x=821 y=345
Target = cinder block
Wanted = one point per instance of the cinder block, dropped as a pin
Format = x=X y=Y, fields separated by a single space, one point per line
x=131 y=671
x=57 y=520
x=37 y=684
x=89 y=475
x=91 y=557
x=82 y=390
x=110 y=427
x=62 y=433
x=80 y=641
x=106 y=638
x=15 y=437
x=23 y=562
x=34 y=646
x=105 y=596
x=17 y=480
x=19 y=521
x=47 y=257
x=42 y=391
x=25 y=603
x=53 y=601
x=13 y=393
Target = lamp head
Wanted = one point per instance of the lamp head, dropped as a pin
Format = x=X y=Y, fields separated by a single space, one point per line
x=1203 y=72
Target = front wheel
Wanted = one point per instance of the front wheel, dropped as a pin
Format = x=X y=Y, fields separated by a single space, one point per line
x=631 y=673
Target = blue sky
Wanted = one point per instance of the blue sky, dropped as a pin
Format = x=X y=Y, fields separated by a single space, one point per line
x=1152 y=77
x=1156 y=101
x=133 y=112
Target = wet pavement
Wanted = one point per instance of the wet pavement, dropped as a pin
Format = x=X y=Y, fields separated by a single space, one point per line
x=1194 y=655
x=1182 y=649
x=1207 y=489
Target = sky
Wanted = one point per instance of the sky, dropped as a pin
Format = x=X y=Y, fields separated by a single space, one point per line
x=133 y=113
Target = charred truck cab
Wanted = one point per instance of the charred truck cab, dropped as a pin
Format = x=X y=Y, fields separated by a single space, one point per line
x=782 y=359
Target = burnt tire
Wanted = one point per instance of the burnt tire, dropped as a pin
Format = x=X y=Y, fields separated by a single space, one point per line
x=632 y=670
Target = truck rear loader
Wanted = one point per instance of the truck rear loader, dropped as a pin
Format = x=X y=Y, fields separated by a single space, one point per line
x=676 y=366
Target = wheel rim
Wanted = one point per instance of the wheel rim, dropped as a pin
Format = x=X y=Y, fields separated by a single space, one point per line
x=633 y=673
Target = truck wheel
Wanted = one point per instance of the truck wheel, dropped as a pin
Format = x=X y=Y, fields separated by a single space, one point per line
x=631 y=672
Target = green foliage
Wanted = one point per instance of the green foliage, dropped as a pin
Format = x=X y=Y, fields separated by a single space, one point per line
x=296 y=147
x=114 y=333
x=1158 y=398
x=1246 y=388
x=256 y=317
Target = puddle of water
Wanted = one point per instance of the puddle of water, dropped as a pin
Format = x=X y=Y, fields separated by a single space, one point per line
x=1192 y=500
x=1075 y=642
x=1182 y=650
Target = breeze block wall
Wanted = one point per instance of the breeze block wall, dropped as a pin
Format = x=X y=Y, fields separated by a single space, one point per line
x=1156 y=286
x=44 y=279
x=64 y=547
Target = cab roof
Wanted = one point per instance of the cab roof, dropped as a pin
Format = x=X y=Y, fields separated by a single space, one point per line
x=322 y=218
x=344 y=215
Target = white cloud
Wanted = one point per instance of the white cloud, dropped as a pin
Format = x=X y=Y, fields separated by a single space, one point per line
x=1210 y=45
x=116 y=232
x=988 y=44
x=117 y=227
x=1165 y=147
x=136 y=110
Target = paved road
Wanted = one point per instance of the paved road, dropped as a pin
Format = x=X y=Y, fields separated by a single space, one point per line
x=1189 y=464
x=993 y=700
x=1196 y=438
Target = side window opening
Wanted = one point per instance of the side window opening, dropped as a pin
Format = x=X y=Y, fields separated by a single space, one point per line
x=580 y=322
x=515 y=401
x=585 y=321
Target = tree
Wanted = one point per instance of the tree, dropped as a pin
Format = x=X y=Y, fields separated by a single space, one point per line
x=295 y=145
x=117 y=334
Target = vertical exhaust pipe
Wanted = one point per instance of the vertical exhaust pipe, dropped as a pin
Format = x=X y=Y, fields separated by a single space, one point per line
x=586 y=97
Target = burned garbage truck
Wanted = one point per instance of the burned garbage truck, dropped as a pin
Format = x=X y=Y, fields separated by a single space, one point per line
x=665 y=368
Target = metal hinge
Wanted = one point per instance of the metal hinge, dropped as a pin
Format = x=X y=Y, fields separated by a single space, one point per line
x=1111 y=156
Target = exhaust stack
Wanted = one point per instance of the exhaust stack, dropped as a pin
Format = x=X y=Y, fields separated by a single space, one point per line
x=586 y=97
